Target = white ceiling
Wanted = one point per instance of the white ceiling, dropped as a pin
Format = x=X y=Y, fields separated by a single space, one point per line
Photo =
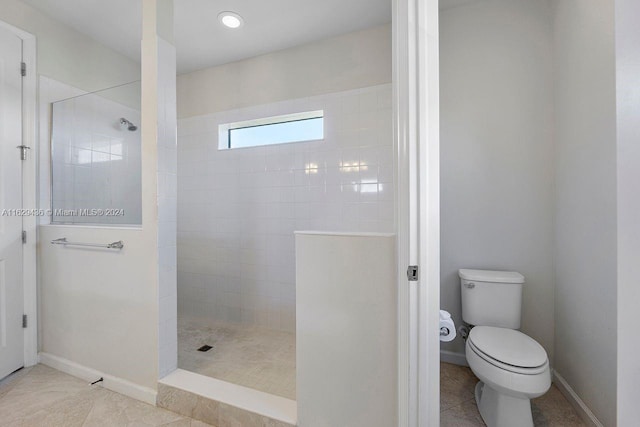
x=201 y=42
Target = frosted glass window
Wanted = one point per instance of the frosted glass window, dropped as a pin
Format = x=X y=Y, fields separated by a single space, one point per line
x=299 y=127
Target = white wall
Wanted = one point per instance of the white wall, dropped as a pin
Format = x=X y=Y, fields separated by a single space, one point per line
x=89 y=298
x=585 y=248
x=68 y=56
x=74 y=59
x=238 y=208
x=349 y=61
x=628 y=130
x=167 y=207
x=100 y=309
x=496 y=147
x=346 y=282
x=97 y=306
x=159 y=177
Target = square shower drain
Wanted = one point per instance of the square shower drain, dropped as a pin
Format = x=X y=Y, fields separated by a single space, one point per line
x=205 y=348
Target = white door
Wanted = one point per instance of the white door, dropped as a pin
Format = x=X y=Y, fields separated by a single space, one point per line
x=11 y=290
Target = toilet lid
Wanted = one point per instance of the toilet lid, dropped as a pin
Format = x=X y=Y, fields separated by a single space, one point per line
x=508 y=346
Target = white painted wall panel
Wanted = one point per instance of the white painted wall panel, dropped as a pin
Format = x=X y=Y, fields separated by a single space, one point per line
x=349 y=61
x=585 y=161
x=628 y=133
x=346 y=300
x=496 y=149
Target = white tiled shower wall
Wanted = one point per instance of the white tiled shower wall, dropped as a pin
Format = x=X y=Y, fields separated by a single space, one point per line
x=238 y=209
x=95 y=160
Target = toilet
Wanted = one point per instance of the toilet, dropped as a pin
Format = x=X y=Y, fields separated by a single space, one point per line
x=512 y=367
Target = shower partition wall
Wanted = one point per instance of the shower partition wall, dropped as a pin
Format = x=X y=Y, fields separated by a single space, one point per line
x=95 y=152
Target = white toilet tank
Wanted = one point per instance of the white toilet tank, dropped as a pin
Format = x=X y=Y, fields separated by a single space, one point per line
x=491 y=298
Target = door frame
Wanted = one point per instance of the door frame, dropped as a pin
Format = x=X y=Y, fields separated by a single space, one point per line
x=416 y=131
x=29 y=192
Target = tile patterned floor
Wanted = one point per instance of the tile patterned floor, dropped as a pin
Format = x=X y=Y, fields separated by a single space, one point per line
x=261 y=359
x=43 y=397
x=458 y=407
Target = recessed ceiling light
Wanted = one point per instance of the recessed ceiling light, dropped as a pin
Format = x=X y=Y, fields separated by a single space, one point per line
x=230 y=19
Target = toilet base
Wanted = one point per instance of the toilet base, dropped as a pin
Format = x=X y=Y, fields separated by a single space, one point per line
x=500 y=410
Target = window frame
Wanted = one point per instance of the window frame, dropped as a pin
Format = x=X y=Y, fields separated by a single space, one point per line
x=225 y=130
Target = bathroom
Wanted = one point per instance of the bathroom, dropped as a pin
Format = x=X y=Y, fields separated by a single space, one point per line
x=205 y=170
x=528 y=184
x=197 y=300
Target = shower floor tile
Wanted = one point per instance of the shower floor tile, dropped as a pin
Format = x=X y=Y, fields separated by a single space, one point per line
x=261 y=359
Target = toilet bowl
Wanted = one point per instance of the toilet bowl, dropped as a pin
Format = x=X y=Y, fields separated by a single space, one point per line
x=512 y=368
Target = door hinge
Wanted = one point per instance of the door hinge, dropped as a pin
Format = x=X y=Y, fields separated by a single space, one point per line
x=23 y=151
x=412 y=273
x=24 y=320
x=24 y=236
x=23 y=69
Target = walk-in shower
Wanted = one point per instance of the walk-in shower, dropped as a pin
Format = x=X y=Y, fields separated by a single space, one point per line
x=238 y=209
x=291 y=139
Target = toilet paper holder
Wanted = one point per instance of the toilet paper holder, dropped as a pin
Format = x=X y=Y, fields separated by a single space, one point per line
x=447 y=327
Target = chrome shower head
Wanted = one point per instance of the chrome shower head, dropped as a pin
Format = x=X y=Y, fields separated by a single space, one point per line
x=130 y=126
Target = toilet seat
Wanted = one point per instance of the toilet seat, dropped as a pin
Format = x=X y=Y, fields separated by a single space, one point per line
x=508 y=349
x=508 y=379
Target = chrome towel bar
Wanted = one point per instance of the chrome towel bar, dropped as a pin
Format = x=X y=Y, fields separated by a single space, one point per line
x=65 y=242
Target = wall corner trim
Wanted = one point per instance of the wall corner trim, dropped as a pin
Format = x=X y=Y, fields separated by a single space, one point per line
x=583 y=410
x=119 y=385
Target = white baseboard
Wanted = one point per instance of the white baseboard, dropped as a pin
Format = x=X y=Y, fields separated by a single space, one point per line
x=110 y=382
x=453 y=357
x=583 y=410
